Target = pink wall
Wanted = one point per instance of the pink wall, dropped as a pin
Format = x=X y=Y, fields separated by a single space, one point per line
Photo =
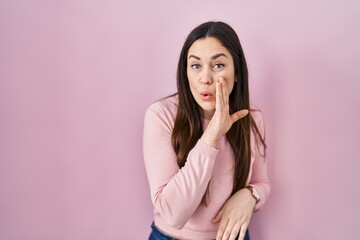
x=76 y=77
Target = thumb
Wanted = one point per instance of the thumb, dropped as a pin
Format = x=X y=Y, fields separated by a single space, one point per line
x=218 y=216
x=239 y=114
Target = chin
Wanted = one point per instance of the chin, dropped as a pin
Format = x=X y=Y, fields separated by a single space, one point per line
x=208 y=107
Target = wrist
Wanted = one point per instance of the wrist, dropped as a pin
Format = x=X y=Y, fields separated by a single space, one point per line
x=209 y=141
x=254 y=194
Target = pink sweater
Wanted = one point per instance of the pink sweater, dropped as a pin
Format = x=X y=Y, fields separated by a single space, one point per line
x=176 y=193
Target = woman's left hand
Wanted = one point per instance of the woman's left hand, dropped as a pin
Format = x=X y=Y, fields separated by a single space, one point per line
x=235 y=215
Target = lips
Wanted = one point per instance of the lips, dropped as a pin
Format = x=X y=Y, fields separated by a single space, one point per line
x=206 y=96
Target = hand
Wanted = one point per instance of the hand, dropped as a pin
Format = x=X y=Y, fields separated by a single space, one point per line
x=235 y=215
x=221 y=121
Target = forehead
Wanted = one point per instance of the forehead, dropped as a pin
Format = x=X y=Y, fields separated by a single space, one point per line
x=207 y=47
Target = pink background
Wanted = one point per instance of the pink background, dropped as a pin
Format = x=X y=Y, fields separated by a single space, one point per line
x=76 y=77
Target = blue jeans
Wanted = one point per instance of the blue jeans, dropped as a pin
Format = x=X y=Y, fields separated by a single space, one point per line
x=156 y=234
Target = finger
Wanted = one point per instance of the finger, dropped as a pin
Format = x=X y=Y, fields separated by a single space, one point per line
x=235 y=231
x=243 y=230
x=224 y=89
x=239 y=114
x=228 y=230
x=222 y=227
x=218 y=97
x=223 y=100
x=226 y=93
x=218 y=216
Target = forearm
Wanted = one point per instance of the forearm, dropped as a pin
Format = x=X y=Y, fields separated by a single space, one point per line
x=176 y=193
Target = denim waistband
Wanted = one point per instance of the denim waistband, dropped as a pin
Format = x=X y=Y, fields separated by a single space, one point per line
x=157 y=234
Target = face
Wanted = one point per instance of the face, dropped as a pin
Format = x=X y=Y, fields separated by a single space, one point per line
x=207 y=61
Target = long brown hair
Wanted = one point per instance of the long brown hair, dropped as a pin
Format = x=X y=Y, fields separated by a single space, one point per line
x=188 y=124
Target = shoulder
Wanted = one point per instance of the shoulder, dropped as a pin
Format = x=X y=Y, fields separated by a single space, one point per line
x=257 y=116
x=257 y=131
x=166 y=105
x=164 y=110
x=256 y=113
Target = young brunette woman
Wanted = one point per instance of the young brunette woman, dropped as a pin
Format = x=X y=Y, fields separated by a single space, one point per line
x=204 y=146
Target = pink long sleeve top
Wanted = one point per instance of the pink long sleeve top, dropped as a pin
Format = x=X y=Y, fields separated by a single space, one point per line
x=176 y=192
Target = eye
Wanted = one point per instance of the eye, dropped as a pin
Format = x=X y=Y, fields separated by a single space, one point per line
x=195 y=66
x=219 y=65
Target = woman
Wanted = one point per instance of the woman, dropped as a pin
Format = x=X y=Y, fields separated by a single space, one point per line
x=203 y=149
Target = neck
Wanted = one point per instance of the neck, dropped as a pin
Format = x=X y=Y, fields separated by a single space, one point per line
x=207 y=114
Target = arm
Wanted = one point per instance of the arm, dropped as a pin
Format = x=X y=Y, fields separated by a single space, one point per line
x=235 y=216
x=259 y=178
x=176 y=193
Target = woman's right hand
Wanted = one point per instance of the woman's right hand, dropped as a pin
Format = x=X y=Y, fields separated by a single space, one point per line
x=221 y=121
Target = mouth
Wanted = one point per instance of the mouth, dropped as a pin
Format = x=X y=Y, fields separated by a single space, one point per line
x=206 y=96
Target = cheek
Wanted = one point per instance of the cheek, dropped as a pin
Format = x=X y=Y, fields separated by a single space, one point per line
x=190 y=76
x=230 y=87
x=230 y=80
x=193 y=91
x=230 y=83
x=191 y=85
x=191 y=80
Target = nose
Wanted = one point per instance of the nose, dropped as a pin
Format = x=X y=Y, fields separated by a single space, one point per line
x=206 y=78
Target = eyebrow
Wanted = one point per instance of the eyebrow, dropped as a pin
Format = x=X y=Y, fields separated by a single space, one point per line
x=213 y=57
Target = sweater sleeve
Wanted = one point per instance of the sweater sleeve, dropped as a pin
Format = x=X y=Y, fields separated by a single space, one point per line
x=259 y=178
x=176 y=193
